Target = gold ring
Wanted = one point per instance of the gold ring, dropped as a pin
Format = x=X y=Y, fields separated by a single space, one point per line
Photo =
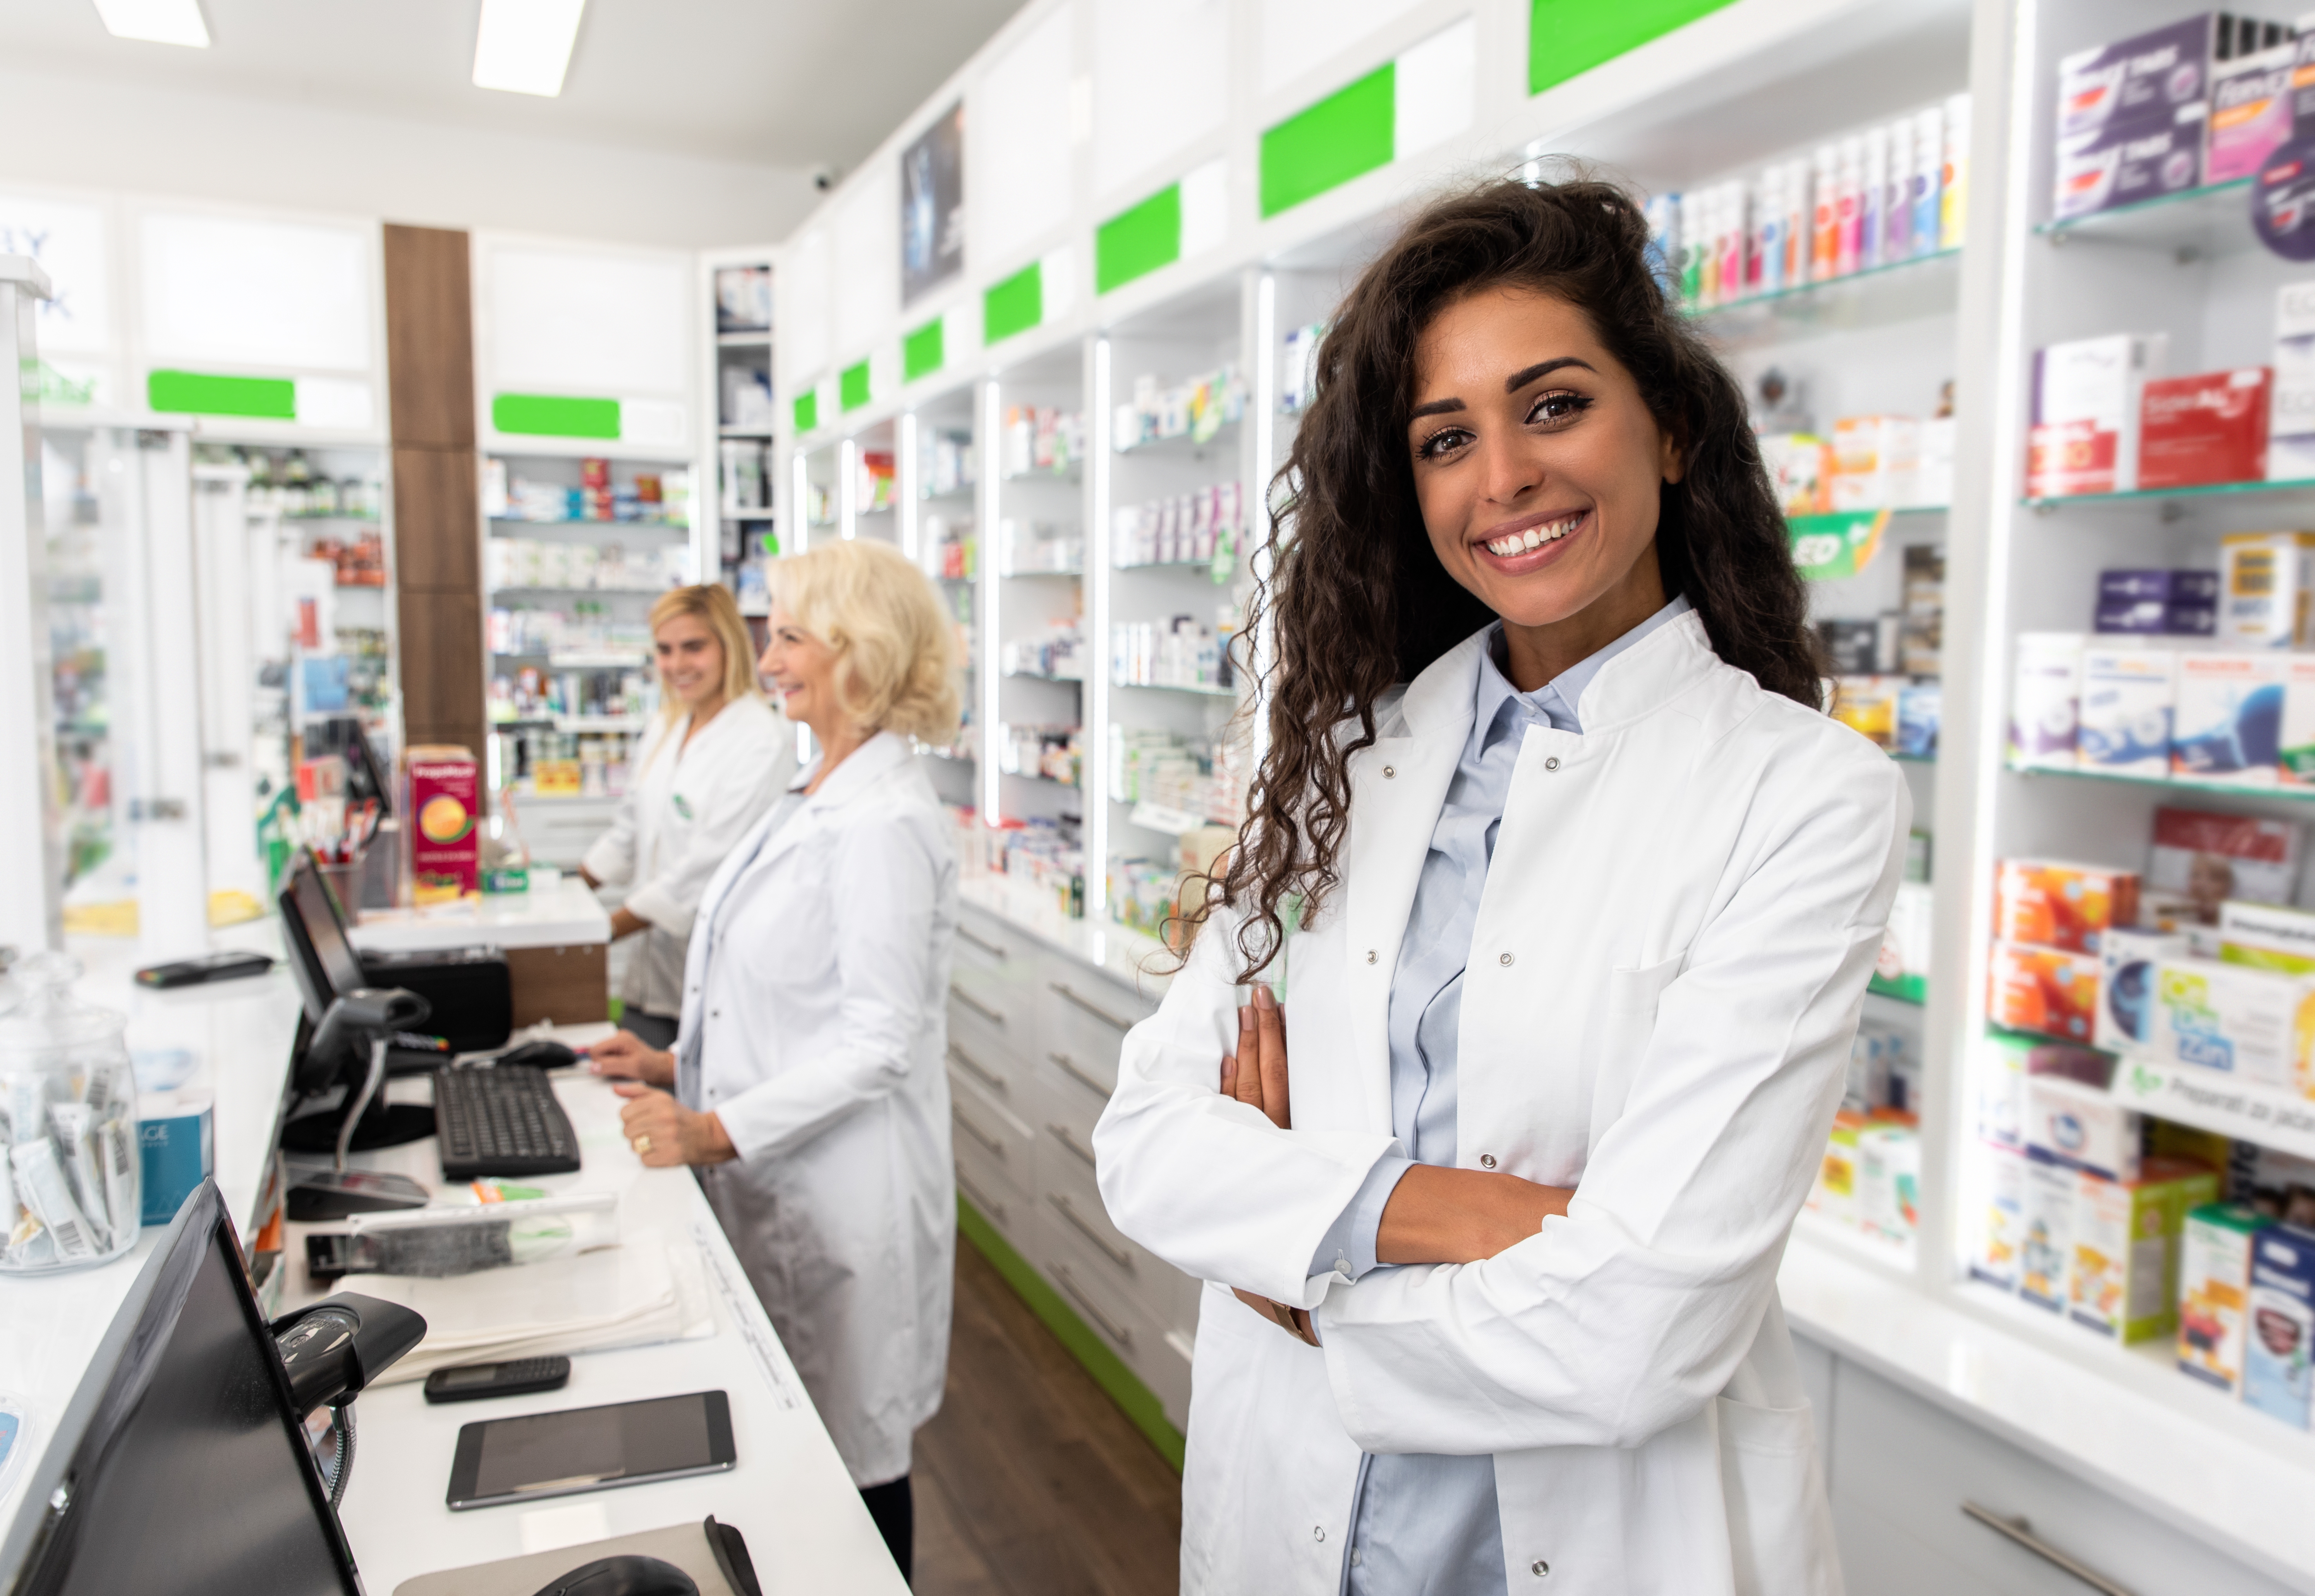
x=642 y=1145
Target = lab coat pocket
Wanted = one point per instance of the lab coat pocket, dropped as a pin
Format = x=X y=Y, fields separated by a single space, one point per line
x=1779 y=1525
x=1628 y=1019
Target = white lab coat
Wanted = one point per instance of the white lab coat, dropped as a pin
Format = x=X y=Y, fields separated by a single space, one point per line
x=1670 y=957
x=685 y=807
x=816 y=994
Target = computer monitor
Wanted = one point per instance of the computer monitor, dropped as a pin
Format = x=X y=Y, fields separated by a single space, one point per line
x=326 y=967
x=181 y=1464
x=321 y=957
x=365 y=774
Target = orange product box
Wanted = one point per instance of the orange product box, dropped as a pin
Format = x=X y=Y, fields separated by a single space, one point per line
x=2051 y=903
x=2051 y=991
x=445 y=795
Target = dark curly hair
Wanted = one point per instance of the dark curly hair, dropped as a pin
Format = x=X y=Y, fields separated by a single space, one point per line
x=1356 y=598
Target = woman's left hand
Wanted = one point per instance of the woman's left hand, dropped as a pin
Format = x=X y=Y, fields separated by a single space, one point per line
x=664 y=1132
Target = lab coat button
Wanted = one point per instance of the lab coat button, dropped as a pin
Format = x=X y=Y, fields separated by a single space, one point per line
x=1317 y=1532
x=1486 y=1160
x=1387 y=772
x=1539 y=1568
x=1506 y=959
x=1371 y=955
x=1552 y=763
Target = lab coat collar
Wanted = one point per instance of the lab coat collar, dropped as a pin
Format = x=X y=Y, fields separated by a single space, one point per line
x=1647 y=675
x=878 y=756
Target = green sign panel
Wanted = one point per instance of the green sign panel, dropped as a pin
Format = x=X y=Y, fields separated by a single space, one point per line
x=807 y=410
x=1136 y=242
x=1567 y=37
x=1826 y=546
x=554 y=415
x=1014 y=306
x=923 y=351
x=1346 y=135
x=199 y=392
x=852 y=386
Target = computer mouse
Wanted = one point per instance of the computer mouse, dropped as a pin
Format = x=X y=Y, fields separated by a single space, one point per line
x=626 y=1575
x=547 y=1055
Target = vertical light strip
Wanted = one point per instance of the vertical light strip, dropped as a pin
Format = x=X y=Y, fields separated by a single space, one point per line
x=992 y=455
x=906 y=484
x=1097 y=646
x=1265 y=454
x=800 y=511
x=847 y=488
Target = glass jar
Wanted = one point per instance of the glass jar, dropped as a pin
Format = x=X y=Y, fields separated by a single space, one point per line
x=70 y=1191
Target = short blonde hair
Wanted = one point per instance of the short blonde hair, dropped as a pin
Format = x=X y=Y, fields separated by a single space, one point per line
x=896 y=647
x=712 y=603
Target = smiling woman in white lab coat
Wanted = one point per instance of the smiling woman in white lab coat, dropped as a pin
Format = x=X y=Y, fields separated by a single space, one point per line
x=706 y=769
x=1571 y=914
x=810 y=1093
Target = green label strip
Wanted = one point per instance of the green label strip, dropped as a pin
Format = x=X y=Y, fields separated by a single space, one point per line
x=1567 y=37
x=1345 y=136
x=1137 y=241
x=1014 y=306
x=923 y=351
x=552 y=416
x=1827 y=547
x=807 y=410
x=852 y=386
x=199 y=392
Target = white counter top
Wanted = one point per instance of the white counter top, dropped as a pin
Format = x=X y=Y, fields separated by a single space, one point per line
x=561 y=913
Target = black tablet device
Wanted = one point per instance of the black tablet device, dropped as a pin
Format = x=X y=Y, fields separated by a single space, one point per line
x=591 y=1449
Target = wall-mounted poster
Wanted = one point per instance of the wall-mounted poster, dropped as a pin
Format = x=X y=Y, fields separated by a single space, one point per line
x=932 y=206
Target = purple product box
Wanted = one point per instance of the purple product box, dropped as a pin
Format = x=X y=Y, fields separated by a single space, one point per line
x=2190 y=619
x=2167 y=587
x=2142 y=616
x=2123 y=165
x=2133 y=82
x=2249 y=113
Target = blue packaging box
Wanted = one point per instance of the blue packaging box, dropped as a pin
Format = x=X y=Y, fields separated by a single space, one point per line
x=2275 y=1376
x=177 y=1133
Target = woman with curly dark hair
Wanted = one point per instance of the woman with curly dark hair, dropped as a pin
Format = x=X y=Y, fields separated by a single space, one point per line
x=1565 y=893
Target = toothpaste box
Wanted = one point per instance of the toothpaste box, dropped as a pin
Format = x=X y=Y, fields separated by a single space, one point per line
x=2206 y=857
x=2210 y=428
x=2249 y=114
x=2127 y=696
x=2081 y=1126
x=2124 y=1280
x=2087 y=408
x=2255 y=1025
x=2124 y=165
x=2046 y=699
x=2227 y=725
x=2127 y=957
x=2266 y=580
x=2047 y=990
x=2276 y=1375
x=2002 y=1217
x=1889 y=1181
x=2047 y=1221
x=2215 y=1261
x=2051 y=903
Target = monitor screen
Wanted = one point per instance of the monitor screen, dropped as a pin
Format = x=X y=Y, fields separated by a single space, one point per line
x=187 y=1471
x=321 y=958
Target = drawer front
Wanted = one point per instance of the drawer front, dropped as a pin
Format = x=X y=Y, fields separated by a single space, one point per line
x=1005 y=1143
x=995 y=1010
x=984 y=942
x=997 y=1070
x=1067 y=1197
x=982 y=1180
x=1085 y=1018
x=1075 y=1271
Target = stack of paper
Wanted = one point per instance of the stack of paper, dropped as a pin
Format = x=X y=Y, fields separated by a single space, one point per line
x=649 y=1290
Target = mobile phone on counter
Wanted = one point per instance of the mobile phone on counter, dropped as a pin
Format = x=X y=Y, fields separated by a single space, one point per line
x=471 y=1382
x=209 y=967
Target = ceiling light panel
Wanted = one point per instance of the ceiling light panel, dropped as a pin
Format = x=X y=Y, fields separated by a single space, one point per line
x=524 y=46
x=158 y=22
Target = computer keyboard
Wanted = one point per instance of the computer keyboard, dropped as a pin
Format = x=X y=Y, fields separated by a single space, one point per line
x=500 y=1119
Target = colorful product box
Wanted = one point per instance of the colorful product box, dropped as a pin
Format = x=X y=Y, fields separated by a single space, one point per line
x=2002 y=1217
x=1868 y=704
x=2266 y=582
x=1834 y=1194
x=445 y=846
x=2276 y=1378
x=1999 y=1075
x=2145 y=78
x=1889 y=1181
x=1920 y=712
x=1874 y=461
x=2255 y=1025
x=2046 y=699
x=2046 y=1217
x=2214 y=1263
x=2086 y=407
x=2206 y=429
x=2047 y=990
x=2158 y=603
x=2128 y=958
x=1902 y=966
x=176 y=1134
x=2294 y=754
x=2250 y=113
x=2267 y=936
x=2127 y=697
x=2125 y=165
x=2051 y=903
x=2080 y=1126
x=2206 y=859
x=2227 y=729
x=2124 y=1278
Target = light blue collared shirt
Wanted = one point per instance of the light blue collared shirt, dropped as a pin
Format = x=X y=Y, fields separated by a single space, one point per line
x=1422 y=1522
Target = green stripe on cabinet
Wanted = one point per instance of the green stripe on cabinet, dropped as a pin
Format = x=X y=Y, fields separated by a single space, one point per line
x=554 y=415
x=1568 y=37
x=1138 y=241
x=201 y=393
x=807 y=411
x=1346 y=135
x=923 y=351
x=1134 y=1399
x=1014 y=306
x=852 y=386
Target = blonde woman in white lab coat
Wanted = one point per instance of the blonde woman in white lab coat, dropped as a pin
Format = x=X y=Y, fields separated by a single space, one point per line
x=706 y=769
x=808 y=1088
x=1569 y=892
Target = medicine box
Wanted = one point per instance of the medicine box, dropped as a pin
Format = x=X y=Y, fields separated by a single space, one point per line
x=2048 y=990
x=1834 y=1194
x=2214 y=1260
x=1868 y=704
x=2144 y=78
x=1874 y=459
x=2002 y=1217
x=1999 y=1077
x=2082 y=1127
x=2267 y=936
x=2087 y=395
x=2265 y=581
x=2228 y=726
x=1889 y=1181
x=2275 y=1378
x=2128 y=958
x=2047 y=1247
x=2250 y=113
x=2207 y=858
x=2210 y=428
x=2127 y=695
x=1902 y=966
x=176 y=1133
x=2294 y=754
x=2051 y=903
x=1920 y=712
x=444 y=795
x=2255 y=1025
x=2046 y=699
x=2124 y=1278
x=2114 y=167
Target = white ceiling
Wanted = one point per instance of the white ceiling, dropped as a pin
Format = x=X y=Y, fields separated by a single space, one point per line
x=799 y=84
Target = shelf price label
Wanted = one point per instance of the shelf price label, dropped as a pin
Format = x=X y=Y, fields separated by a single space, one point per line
x=2214 y=1101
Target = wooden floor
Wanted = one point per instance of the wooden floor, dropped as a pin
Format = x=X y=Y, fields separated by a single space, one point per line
x=1029 y=1482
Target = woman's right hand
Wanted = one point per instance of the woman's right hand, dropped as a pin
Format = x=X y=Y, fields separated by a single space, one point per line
x=623 y=1055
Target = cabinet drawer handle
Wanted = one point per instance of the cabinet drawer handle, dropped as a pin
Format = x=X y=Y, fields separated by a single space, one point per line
x=980 y=1136
x=1115 y=1255
x=2019 y=1531
x=1095 y=1009
x=994 y=1017
x=982 y=943
x=1115 y=1332
x=1061 y=1134
x=978 y=1070
x=981 y=1202
x=1070 y=1067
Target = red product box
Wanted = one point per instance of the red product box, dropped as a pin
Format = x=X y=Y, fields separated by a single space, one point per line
x=2207 y=429
x=2047 y=990
x=445 y=846
x=2047 y=904
x=2068 y=458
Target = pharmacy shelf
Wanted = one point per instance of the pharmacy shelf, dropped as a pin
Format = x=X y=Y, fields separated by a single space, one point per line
x=671 y=529
x=1184 y=445
x=1854 y=1240
x=1878 y=296
x=1034 y=575
x=733 y=512
x=501 y=446
x=1198 y=692
x=743 y=432
x=2210 y=220
x=750 y=340
x=524 y=590
x=2237 y=490
x=2210 y=1100
x=2191 y=789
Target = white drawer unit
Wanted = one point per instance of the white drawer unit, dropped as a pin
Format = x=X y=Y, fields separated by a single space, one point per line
x=982 y=1180
x=999 y=1141
x=1085 y=1019
x=1067 y=1196
x=1089 y=1283
x=995 y=1070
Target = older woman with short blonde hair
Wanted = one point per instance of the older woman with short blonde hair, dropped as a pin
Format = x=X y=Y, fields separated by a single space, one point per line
x=809 y=1087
